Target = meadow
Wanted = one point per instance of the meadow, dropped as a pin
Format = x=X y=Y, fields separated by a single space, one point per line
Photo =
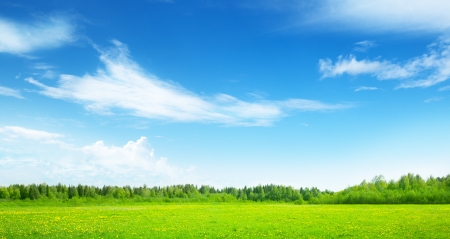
x=225 y=220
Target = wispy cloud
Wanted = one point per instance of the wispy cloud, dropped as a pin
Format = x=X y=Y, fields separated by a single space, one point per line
x=422 y=71
x=361 y=88
x=18 y=38
x=58 y=122
x=17 y=132
x=127 y=87
x=44 y=70
x=132 y=162
x=444 y=88
x=42 y=66
x=363 y=46
x=380 y=15
x=10 y=92
x=383 y=70
x=434 y=99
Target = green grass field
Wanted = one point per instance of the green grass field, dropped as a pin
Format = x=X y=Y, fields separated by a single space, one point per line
x=238 y=220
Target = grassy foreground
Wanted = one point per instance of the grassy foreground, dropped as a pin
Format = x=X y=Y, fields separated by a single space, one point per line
x=224 y=220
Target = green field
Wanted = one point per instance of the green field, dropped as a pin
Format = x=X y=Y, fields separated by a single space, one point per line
x=223 y=220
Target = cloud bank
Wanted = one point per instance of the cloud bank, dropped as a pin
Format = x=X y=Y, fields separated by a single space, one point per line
x=123 y=87
x=423 y=71
x=17 y=38
x=133 y=162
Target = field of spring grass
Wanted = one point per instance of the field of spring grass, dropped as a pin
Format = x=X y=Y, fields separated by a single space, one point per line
x=226 y=220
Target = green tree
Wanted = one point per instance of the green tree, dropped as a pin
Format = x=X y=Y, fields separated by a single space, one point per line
x=23 y=192
x=4 y=194
x=33 y=192
x=119 y=193
x=380 y=183
x=404 y=183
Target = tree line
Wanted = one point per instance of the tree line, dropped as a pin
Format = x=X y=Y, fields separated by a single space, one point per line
x=409 y=188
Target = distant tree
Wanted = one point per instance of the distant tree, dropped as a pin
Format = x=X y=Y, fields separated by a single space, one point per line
x=33 y=192
x=204 y=189
x=51 y=192
x=80 y=190
x=72 y=192
x=4 y=194
x=409 y=188
x=23 y=192
x=15 y=194
x=380 y=183
x=296 y=195
x=404 y=182
x=119 y=193
x=43 y=187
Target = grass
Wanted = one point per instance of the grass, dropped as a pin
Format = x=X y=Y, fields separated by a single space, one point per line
x=226 y=220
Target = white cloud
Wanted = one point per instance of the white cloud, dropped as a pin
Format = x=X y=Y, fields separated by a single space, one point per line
x=42 y=66
x=422 y=71
x=363 y=46
x=17 y=38
x=133 y=163
x=10 y=92
x=134 y=158
x=16 y=131
x=365 y=88
x=44 y=70
x=434 y=99
x=383 y=70
x=311 y=105
x=125 y=86
x=444 y=88
x=381 y=15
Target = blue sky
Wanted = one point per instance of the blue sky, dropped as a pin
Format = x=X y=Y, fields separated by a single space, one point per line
x=227 y=94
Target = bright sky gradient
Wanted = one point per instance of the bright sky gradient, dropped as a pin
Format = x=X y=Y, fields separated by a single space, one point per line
x=232 y=93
